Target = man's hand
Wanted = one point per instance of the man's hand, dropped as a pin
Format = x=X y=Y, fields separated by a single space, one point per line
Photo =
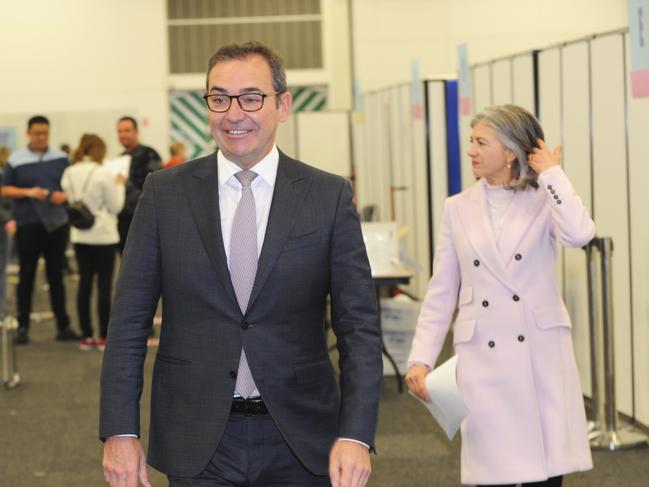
x=416 y=381
x=349 y=464
x=58 y=197
x=124 y=462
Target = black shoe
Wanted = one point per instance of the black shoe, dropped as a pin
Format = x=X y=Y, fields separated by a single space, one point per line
x=21 y=338
x=66 y=335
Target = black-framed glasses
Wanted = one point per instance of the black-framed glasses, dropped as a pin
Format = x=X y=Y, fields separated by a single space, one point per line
x=249 y=102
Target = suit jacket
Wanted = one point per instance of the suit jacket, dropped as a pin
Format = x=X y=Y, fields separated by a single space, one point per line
x=516 y=368
x=313 y=247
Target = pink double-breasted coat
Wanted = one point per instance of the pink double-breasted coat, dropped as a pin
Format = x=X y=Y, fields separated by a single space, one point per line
x=516 y=368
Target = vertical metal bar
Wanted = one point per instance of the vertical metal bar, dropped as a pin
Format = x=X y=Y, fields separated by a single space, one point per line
x=606 y=248
x=595 y=364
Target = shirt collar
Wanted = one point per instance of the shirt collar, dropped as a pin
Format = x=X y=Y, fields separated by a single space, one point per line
x=266 y=168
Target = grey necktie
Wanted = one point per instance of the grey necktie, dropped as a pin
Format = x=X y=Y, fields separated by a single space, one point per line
x=243 y=265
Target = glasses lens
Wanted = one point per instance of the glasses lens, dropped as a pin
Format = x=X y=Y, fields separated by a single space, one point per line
x=251 y=102
x=218 y=103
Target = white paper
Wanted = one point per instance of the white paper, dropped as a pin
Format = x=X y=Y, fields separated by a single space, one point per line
x=119 y=165
x=446 y=403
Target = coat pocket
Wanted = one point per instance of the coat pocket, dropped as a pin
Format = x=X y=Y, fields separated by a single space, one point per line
x=552 y=317
x=167 y=359
x=304 y=240
x=463 y=331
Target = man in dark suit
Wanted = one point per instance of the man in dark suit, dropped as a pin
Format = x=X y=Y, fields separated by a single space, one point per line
x=244 y=246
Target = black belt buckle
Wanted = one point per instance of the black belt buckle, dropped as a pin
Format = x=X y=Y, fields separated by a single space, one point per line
x=248 y=407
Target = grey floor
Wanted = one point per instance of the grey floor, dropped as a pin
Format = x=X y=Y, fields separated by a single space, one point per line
x=48 y=427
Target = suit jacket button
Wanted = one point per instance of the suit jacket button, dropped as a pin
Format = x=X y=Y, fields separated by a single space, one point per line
x=515 y=297
x=233 y=374
x=492 y=344
x=521 y=338
x=485 y=303
x=245 y=325
x=476 y=262
x=518 y=257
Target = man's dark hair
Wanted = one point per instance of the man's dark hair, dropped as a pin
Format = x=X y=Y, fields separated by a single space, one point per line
x=242 y=51
x=129 y=119
x=37 y=119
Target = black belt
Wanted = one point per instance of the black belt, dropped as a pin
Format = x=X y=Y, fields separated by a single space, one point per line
x=250 y=406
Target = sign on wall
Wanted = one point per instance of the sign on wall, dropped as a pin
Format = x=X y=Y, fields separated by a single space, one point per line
x=639 y=42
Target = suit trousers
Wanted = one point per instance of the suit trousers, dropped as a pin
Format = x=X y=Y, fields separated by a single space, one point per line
x=252 y=453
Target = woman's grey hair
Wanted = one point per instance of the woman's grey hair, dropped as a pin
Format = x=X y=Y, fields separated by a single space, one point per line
x=518 y=130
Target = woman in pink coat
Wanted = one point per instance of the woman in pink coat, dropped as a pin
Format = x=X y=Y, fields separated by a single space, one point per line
x=495 y=263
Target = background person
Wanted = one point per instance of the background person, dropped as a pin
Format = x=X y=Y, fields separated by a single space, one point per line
x=516 y=368
x=32 y=179
x=243 y=391
x=94 y=247
x=178 y=152
x=7 y=230
x=144 y=160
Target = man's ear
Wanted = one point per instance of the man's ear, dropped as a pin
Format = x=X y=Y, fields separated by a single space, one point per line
x=285 y=105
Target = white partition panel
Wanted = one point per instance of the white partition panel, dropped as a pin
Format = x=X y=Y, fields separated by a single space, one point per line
x=523 y=81
x=482 y=90
x=437 y=154
x=501 y=79
x=575 y=82
x=286 y=137
x=610 y=193
x=638 y=121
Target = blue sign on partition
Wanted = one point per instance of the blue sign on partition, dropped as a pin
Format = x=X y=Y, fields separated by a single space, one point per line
x=639 y=42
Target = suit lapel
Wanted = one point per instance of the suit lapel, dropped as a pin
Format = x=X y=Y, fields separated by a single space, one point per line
x=291 y=187
x=522 y=211
x=474 y=215
x=202 y=190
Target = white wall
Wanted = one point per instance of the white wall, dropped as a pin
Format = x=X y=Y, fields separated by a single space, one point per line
x=388 y=34
x=77 y=56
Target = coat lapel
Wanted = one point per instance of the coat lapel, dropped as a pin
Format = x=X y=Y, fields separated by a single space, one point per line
x=291 y=187
x=522 y=211
x=202 y=190
x=474 y=215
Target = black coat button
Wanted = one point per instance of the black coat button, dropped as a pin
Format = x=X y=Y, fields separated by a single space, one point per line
x=552 y=191
x=556 y=196
x=476 y=262
x=558 y=202
x=518 y=257
x=485 y=303
x=233 y=374
x=521 y=338
x=245 y=325
x=549 y=186
x=492 y=344
x=515 y=297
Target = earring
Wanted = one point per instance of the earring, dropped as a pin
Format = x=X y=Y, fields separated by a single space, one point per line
x=509 y=166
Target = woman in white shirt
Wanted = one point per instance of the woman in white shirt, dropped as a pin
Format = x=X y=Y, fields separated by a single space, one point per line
x=103 y=194
x=495 y=262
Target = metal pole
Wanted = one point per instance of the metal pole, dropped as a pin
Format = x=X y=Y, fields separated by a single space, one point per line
x=611 y=437
x=597 y=413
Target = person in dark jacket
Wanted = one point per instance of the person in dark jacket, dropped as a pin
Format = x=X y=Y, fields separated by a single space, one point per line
x=144 y=160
